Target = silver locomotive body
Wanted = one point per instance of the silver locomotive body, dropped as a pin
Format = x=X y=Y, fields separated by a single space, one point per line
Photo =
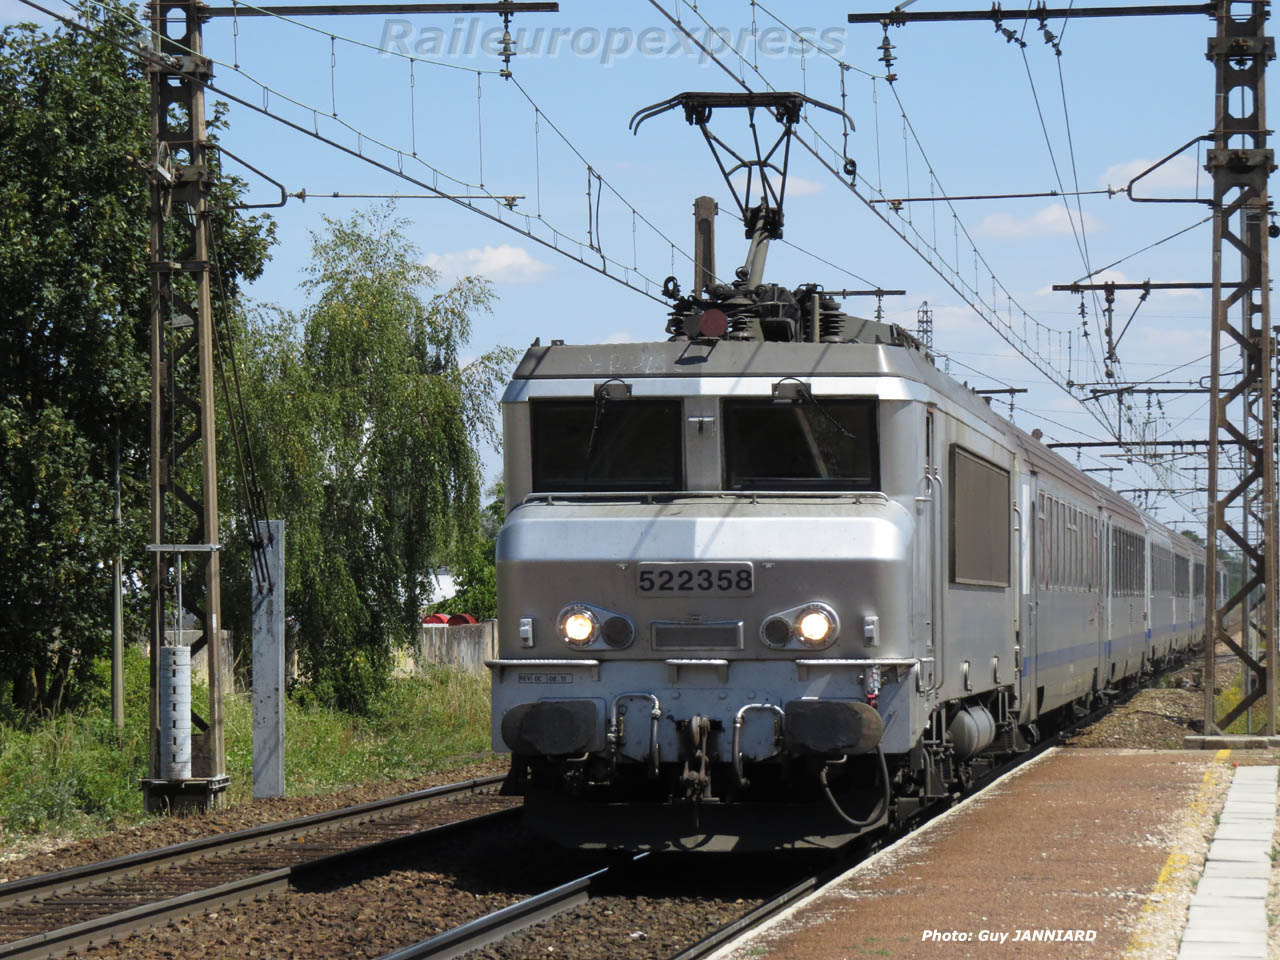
x=701 y=708
x=771 y=594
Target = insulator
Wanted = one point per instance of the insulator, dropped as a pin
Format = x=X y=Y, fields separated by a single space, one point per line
x=832 y=326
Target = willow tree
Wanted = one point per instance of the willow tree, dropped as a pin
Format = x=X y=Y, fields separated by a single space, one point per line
x=365 y=425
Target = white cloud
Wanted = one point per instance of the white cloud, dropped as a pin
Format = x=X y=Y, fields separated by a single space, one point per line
x=503 y=264
x=1176 y=176
x=621 y=336
x=802 y=187
x=1050 y=221
x=1181 y=294
x=796 y=186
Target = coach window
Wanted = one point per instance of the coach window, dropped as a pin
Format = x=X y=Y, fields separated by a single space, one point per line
x=1055 y=544
x=1093 y=553
x=1182 y=576
x=980 y=524
x=601 y=445
x=816 y=444
x=1044 y=541
x=1074 y=517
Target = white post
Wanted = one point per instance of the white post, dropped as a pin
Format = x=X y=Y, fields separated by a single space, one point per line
x=268 y=661
x=175 y=713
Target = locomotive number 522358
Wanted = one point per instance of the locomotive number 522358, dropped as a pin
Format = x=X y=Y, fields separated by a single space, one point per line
x=726 y=579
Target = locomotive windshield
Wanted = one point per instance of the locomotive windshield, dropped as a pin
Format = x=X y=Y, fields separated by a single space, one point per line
x=603 y=445
x=815 y=445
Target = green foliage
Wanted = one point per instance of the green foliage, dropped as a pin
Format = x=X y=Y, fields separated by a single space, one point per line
x=53 y=588
x=74 y=344
x=476 y=579
x=474 y=571
x=88 y=772
x=76 y=768
x=364 y=427
x=414 y=724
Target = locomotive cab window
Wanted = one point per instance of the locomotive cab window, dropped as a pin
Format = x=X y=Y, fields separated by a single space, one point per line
x=980 y=525
x=605 y=445
x=814 y=445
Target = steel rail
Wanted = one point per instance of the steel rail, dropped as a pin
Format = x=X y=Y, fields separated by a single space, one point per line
x=57 y=943
x=758 y=915
x=511 y=919
x=73 y=878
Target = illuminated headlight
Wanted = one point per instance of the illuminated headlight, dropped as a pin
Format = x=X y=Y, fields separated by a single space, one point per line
x=814 y=626
x=578 y=626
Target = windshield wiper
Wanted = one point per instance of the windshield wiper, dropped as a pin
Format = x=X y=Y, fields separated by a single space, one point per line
x=604 y=392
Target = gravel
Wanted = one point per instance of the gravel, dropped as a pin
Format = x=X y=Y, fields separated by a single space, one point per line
x=137 y=889
x=369 y=910
x=1154 y=719
x=665 y=905
x=163 y=831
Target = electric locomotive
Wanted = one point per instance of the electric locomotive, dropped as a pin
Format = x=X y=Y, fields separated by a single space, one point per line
x=776 y=579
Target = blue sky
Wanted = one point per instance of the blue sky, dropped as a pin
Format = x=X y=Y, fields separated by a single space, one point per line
x=1133 y=90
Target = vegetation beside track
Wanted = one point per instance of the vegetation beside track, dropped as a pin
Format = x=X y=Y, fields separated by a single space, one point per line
x=75 y=774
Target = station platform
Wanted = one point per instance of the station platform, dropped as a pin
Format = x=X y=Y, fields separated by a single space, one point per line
x=1079 y=853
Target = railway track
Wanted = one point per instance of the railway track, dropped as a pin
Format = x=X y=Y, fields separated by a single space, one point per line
x=614 y=883
x=113 y=899
x=512 y=932
x=51 y=914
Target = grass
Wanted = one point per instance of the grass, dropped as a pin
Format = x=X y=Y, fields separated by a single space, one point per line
x=1229 y=698
x=76 y=774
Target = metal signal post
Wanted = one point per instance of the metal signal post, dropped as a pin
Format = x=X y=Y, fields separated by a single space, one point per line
x=184 y=465
x=1242 y=411
x=186 y=569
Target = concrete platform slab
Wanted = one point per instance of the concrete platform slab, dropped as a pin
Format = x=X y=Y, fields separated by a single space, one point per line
x=1234 y=887
x=1200 y=933
x=1245 y=812
x=1077 y=840
x=1253 y=831
x=1220 y=951
x=1231 y=870
x=1215 y=902
x=1240 y=916
x=1239 y=850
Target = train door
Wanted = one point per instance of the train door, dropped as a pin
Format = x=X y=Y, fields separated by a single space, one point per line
x=1029 y=534
x=938 y=554
x=1104 y=598
x=1095 y=583
x=1147 y=622
x=925 y=600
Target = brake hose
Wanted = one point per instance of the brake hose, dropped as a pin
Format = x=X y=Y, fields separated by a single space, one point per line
x=881 y=808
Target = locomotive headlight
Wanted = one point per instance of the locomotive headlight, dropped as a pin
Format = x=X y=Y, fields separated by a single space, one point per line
x=814 y=626
x=578 y=627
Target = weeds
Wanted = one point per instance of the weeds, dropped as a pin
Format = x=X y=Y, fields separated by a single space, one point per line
x=77 y=774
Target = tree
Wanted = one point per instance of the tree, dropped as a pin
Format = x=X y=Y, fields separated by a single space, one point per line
x=364 y=424
x=474 y=569
x=75 y=341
